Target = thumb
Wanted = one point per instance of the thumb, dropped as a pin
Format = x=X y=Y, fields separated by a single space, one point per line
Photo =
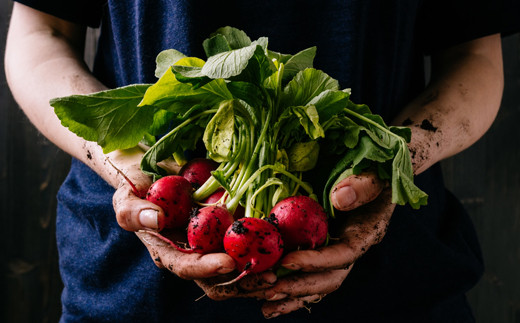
x=134 y=213
x=356 y=190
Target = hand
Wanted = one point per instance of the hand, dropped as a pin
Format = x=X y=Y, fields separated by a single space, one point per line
x=185 y=265
x=322 y=271
x=135 y=214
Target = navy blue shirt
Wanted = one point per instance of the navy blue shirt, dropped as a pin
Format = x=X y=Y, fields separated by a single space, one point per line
x=428 y=259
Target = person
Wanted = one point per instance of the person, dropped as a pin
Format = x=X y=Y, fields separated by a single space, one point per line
x=389 y=263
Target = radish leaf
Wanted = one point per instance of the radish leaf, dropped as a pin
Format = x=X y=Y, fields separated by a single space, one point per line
x=216 y=45
x=165 y=60
x=299 y=62
x=111 y=118
x=306 y=85
x=218 y=136
x=236 y=38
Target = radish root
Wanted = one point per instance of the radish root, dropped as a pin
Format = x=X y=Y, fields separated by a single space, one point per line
x=168 y=241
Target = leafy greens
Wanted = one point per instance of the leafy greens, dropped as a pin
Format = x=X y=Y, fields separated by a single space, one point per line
x=261 y=114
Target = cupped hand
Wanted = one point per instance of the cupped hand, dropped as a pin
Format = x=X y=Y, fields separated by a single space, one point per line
x=322 y=271
x=134 y=213
x=185 y=265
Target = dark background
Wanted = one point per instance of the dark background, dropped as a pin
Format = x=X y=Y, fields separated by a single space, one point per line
x=485 y=177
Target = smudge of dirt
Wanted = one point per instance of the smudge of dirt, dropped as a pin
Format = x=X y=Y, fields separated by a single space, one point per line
x=427 y=125
x=407 y=122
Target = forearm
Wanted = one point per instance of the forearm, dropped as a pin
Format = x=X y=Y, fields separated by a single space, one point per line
x=459 y=105
x=44 y=60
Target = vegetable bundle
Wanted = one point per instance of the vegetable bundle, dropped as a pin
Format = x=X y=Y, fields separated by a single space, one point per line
x=262 y=117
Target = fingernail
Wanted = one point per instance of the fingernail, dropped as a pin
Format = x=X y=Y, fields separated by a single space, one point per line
x=291 y=266
x=268 y=278
x=148 y=219
x=344 y=196
x=277 y=297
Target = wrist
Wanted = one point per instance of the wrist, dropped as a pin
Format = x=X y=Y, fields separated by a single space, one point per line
x=116 y=165
x=425 y=147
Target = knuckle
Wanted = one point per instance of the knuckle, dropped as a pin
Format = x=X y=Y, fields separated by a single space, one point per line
x=183 y=272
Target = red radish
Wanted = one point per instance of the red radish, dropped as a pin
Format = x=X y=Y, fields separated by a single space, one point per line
x=207 y=228
x=301 y=221
x=215 y=198
x=198 y=170
x=173 y=194
x=254 y=244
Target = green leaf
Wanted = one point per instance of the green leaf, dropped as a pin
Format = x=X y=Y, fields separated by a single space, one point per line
x=282 y=58
x=191 y=75
x=303 y=156
x=236 y=38
x=380 y=145
x=227 y=64
x=232 y=63
x=299 y=62
x=306 y=85
x=343 y=131
x=176 y=141
x=309 y=120
x=258 y=69
x=185 y=134
x=329 y=103
x=374 y=126
x=161 y=122
x=165 y=60
x=218 y=135
x=148 y=140
x=248 y=92
x=221 y=178
x=188 y=70
x=168 y=90
x=216 y=45
x=298 y=124
x=403 y=188
x=111 y=118
x=404 y=132
x=367 y=149
x=358 y=108
x=219 y=89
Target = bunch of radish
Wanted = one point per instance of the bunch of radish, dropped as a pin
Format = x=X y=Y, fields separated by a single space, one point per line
x=262 y=117
x=256 y=245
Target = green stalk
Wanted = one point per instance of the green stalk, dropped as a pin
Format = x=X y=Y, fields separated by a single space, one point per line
x=248 y=142
x=245 y=182
x=245 y=186
x=211 y=185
